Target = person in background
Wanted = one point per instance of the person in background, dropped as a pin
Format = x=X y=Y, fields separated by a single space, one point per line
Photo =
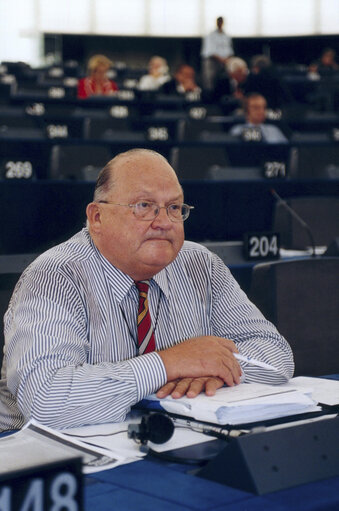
x=217 y=47
x=255 y=107
x=97 y=82
x=264 y=80
x=229 y=87
x=183 y=81
x=157 y=74
x=326 y=64
x=126 y=308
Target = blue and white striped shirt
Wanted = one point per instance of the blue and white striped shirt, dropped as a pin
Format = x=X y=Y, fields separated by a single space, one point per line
x=71 y=333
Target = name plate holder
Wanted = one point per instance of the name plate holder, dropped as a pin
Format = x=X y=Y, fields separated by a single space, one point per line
x=268 y=461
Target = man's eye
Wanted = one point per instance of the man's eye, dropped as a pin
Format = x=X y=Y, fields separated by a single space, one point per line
x=175 y=208
x=144 y=205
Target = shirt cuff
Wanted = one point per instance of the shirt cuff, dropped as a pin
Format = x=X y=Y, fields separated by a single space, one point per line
x=149 y=372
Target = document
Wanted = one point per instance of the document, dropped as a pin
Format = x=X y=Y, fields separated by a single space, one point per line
x=324 y=390
x=244 y=403
x=36 y=445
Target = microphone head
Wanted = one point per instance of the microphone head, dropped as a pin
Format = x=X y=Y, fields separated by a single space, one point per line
x=160 y=427
x=156 y=428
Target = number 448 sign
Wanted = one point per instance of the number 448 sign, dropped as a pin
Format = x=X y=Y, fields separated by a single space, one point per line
x=52 y=487
x=261 y=245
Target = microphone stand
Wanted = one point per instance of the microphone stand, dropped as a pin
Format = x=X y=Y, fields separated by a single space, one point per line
x=297 y=217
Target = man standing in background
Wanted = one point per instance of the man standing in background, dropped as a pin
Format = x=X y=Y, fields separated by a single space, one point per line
x=217 y=47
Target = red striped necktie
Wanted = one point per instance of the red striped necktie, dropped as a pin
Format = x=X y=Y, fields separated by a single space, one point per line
x=146 y=339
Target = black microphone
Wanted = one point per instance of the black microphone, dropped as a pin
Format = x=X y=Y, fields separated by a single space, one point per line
x=297 y=217
x=156 y=428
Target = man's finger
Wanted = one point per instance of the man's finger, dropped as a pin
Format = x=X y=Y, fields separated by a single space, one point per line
x=212 y=385
x=181 y=388
x=166 y=389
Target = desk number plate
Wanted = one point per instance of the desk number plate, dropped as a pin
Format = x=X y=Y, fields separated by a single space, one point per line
x=52 y=487
x=261 y=246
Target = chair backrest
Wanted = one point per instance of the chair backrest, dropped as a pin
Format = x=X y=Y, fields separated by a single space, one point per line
x=321 y=214
x=194 y=162
x=301 y=298
x=68 y=161
x=235 y=173
x=315 y=160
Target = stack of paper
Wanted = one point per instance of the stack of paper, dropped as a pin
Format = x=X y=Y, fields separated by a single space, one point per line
x=244 y=403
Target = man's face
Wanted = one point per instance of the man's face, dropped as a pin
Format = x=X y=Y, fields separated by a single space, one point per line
x=140 y=248
x=256 y=110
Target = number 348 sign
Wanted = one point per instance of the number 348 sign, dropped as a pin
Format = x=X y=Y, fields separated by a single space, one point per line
x=53 y=487
x=261 y=245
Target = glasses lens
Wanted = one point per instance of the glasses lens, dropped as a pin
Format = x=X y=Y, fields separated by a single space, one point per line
x=145 y=210
x=149 y=210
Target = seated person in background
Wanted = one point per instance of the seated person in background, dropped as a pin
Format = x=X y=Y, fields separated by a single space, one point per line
x=230 y=84
x=157 y=74
x=74 y=352
x=255 y=111
x=184 y=81
x=264 y=80
x=97 y=82
x=326 y=64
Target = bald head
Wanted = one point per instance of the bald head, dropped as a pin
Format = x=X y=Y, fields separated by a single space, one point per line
x=119 y=164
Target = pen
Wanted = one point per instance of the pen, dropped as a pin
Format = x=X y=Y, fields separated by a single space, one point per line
x=254 y=362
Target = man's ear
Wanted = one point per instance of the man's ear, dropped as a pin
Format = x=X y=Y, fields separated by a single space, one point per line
x=93 y=213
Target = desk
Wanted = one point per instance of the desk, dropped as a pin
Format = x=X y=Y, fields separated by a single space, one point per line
x=153 y=484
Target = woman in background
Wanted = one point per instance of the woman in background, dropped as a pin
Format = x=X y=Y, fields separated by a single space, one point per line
x=97 y=82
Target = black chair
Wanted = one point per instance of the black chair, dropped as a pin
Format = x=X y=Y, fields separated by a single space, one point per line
x=114 y=129
x=235 y=173
x=301 y=298
x=316 y=158
x=191 y=129
x=71 y=161
x=194 y=162
x=14 y=127
x=321 y=214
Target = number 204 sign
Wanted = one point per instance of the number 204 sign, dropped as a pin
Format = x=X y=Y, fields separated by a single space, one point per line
x=52 y=487
x=261 y=245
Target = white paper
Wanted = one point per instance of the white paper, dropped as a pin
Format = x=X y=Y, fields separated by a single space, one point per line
x=113 y=437
x=36 y=444
x=324 y=390
x=244 y=403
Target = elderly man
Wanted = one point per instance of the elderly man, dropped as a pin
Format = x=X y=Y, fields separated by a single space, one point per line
x=126 y=308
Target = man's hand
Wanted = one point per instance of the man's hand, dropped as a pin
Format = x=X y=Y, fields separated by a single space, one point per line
x=202 y=356
x=190 y=387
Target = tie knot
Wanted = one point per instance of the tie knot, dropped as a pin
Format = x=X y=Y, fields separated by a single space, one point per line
x=142 y=286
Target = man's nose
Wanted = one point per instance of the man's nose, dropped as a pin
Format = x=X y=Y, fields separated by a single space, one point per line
x=162 y=218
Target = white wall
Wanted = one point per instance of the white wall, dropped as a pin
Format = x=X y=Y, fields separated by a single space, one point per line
x=22 y=22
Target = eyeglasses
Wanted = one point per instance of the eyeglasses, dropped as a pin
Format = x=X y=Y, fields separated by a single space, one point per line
x=145 y=210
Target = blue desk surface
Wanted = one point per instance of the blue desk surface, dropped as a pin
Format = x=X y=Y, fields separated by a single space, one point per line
x=148 y=484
